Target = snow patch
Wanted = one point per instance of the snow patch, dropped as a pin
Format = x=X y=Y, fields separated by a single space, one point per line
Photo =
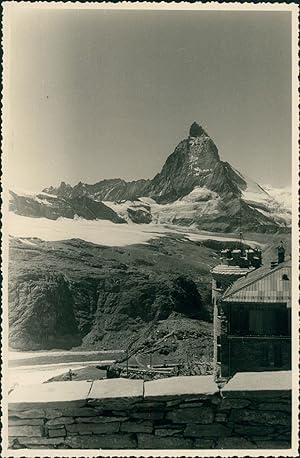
x=253 y=192
x=274 y=203
x=121 y=208
x=282 y=218
x=282 y=195
x=200 y=201
x=202 y=236
x=27 y=242
x=23 y=192
x=43 y=201
x=199 y=194
x=198 y=171
x=99 y=232
x=32 y=194
x=147 y=200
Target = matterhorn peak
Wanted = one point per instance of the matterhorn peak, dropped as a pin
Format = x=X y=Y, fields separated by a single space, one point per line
x=196 y=130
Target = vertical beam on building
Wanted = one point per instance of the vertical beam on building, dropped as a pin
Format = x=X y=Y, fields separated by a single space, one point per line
x=229 y=357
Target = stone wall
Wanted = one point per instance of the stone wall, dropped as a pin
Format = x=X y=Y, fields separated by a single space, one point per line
x=250 y=412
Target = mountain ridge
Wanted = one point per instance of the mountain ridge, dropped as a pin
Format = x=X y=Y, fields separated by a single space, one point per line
x=194 y=166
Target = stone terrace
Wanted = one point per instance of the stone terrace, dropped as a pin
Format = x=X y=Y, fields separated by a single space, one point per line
x=253 y=411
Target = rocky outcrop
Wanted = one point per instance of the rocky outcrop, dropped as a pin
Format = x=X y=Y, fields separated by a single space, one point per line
x=228 y=216
x=70 y=293
x=190 y=165
x=41 y=312
x=225 y=181
x=45 y=205
x=137 y=212
x=140 y=215
x=113 y=189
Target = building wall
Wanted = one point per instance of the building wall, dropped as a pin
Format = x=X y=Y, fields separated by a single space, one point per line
x=259 y=355
x=243 y=350
x=220 y=282
x=175 y=413
x=216 y=297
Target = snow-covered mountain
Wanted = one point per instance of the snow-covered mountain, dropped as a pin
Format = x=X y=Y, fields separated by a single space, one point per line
x=194 y=188
x=44 y=205
x=282 y=195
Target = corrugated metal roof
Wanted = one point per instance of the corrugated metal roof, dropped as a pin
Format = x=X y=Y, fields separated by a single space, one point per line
x=263 y=285
x=229 y=270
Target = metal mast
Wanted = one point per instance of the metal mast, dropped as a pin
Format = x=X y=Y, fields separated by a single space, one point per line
x=240 y=226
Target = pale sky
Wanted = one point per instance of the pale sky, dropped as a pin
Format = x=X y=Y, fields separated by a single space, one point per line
x=108 y=94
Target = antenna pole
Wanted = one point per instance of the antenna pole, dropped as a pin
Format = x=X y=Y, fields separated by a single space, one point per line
x=240 y=226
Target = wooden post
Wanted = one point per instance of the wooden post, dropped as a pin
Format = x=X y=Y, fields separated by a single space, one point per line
x=127 y=362
x=150 y=360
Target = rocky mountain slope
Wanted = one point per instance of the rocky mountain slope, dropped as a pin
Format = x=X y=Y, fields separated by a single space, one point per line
x=73 y=293
x=49 y=206
x=195 y=187
x=69 y=293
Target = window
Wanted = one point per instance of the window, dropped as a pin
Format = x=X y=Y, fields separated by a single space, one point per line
x=219 y=353
x=218 y=284
x=285 y=277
